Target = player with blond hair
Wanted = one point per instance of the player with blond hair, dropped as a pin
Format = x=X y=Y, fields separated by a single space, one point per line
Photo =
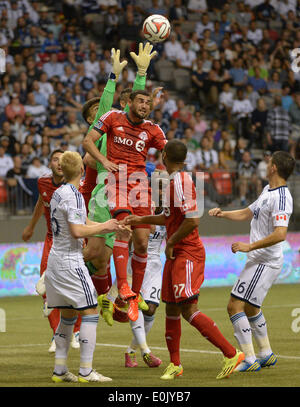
x=68 y=284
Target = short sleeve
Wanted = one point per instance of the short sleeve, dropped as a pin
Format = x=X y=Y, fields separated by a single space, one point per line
x=185 y=195
x=103 y=124
x=158 y=140
x=282 y=208
x=75 y=209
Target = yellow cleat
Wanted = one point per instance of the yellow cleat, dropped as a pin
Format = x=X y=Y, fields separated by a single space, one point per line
x=171 y=372
x=66 y=377
x=230 y=364
x=106 y=309
x=143 y=306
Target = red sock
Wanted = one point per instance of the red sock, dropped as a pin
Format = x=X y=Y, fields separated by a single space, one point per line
x=121 y=255
x=109 y=280
x=101 y=283
x=54 y=319
x=210 y=331
x=138 y=265
x=77 y=324
x=172 y=335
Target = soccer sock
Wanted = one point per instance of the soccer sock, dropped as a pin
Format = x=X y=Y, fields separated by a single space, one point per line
x=121 y=255
x=77 y=324
x=62 y=339
x=87 y=340
x=148 y=322
x=172 y=335
x=138 y=265
x=139 y=333
x=243 y=335
x=109 y=280
x=101 y=283
x=208 y=328
x=54 y=319
x=259 y=330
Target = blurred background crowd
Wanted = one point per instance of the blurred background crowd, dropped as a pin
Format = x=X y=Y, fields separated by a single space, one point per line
x=230 y=79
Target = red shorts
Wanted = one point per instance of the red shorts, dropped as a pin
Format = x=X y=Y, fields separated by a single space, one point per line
x=45 y=254
x=182 y=279
x=130 y=201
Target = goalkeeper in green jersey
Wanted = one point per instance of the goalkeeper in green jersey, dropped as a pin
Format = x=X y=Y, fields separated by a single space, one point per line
x=99 y=248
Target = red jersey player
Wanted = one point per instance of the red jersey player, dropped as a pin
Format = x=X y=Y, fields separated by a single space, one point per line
x=47 y=185
x=184 y=268
x=129 y=137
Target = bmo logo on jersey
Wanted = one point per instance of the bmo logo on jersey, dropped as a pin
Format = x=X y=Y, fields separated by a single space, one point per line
x=139 y=145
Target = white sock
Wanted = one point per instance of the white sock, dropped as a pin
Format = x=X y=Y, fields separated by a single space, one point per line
x=138 y=330
x=243 y=335
x=87 y=340
x=62 y=339
x=259 y=329
x=148 y=322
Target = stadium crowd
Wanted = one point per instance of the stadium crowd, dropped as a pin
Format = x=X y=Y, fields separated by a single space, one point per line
x=243 y=101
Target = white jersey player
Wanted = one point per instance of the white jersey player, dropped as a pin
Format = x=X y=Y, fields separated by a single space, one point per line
x=67 y=280
x=269 y=215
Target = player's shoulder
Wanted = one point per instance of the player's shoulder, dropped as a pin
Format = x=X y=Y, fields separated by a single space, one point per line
x=45 y=179
x=112 y=113
x=153 y=126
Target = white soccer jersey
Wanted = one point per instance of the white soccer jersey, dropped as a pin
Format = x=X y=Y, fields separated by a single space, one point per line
x=273 y=208
x=155 y=241
x=66 y=206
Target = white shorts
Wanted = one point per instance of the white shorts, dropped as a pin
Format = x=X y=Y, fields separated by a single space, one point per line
x=152 y=281
x=68 y=283
x=254 y=283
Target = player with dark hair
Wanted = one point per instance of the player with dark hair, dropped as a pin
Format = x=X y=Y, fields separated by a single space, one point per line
x=269 y=216
x=47 y=185
x=184 y=268
x=129 y=136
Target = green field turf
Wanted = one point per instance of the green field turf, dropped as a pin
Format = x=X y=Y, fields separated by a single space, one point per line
x=25 y=361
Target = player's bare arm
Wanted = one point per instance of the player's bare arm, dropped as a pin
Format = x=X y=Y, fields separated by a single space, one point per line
x=279 y=235
x=89 y=161
x=80 y=231
x=37 y=213
x=186 y=227
x=90 y=147
x=238 y=215
x=134 y=220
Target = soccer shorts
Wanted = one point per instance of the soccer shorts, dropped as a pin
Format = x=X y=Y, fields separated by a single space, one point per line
x=254 y=282
x=99 y=212
x=151 y=286
x=68 y=283
x=182 y=279
x=45 y=254
x=120 y=200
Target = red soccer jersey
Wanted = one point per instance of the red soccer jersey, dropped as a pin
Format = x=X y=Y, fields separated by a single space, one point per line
x=89 y=181
x=181 y=200
x=127 y=142
x=46 y=187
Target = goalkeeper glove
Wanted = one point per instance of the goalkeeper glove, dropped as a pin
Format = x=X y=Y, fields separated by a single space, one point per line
x=144 y=57
x=117 y=66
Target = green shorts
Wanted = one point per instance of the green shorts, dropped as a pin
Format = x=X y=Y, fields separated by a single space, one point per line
x=99 y=212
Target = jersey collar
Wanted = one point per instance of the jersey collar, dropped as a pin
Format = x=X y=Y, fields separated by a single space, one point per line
x=274 y=189
x=134 y=123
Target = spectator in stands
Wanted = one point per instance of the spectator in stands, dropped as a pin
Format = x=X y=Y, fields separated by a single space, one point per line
x=38 y=111
x=53 y=67
x=91 y=66
x=75 y=130
x=216 y=35
x=274 y=85
x=262 y=168
x=35 y=39
x=54 y=130
x=129 y=34
x=241 y=111
x=204 y=24
x=208 y=44
x=185 y=57
x=286 y=98
x=172 y=47
x=36 y=169
x=38 y=95
x=44 y=154
x=237 y=73
x=6 y=162
x=247 y=177
x=51 y=44
x=9 y=138
x=278 y=127
x=198 y=77
x=46 y=87
x=226 y=159
x=177 y=12
x=258 y=83
x=265 y=12
x=207 y=157
x=258 y=122
x=14 y=108
x=197 y=6
x=254 y=34
x=226 y=102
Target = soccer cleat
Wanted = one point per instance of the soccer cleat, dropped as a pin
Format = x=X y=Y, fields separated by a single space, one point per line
x=143 y=306
x=133 y=309
x=130 y=359
x=172 y=372
x=151 y=360
x=66 y=377
x=125 y=292
x=40 y=285
x=52 y=347
x=75 y=341
x=268 y=361
x=229 y=364
x=93 y=377
x=248 y=367
x=107 y=309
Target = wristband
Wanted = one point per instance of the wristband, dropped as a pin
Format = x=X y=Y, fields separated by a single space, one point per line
x=112 y=76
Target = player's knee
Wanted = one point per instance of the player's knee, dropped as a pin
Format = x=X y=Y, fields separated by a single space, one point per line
x=151 y=311
x=235 y=306
x=141 y=246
